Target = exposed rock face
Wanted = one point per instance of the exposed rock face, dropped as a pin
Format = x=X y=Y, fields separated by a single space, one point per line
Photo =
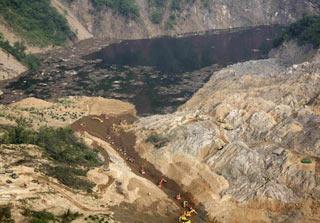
x=254 y=127
x=193 y=17
x=9 y=66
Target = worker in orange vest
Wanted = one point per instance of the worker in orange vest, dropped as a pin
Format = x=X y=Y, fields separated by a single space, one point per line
x=162 y=181
x=142 y=171
x=178 y=197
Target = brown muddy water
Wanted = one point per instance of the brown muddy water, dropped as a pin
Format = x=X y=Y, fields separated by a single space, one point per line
x=156 y=75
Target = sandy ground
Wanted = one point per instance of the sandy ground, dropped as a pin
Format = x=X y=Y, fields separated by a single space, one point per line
x=63 y=112
x=32 y=102
x=9 y=66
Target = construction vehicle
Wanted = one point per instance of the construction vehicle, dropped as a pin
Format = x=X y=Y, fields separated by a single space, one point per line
x=184 y=219
x=190 y=212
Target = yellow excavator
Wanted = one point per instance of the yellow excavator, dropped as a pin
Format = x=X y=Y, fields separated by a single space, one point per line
x=184 y=219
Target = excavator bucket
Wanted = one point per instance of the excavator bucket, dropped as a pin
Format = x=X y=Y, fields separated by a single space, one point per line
x=183 y=219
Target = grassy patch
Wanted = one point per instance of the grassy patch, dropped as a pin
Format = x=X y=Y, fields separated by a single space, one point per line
x=156 y=16
x=18 y=50
x=69 y=216
x=36 y=21
x=5 y=214
x=71 y=158
x=39 y=216
x=103 y=218
x=61 y=145
x=46 y=217
x=171 y=22
x=157 y=9
x=305 y=31
x=70 y=176
x=127 y=8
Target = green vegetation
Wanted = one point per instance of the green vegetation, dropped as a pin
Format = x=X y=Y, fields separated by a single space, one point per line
x=5 y=214
x=46 y=217
x=157 y=9
x=156 y=16
x=18 y=50
x=71 y=159
x=59 y=144
x=176 y=5
x=69 y=216
x=305 y=31
x=157 y=140
x=36 y=21
x=127 y=8
x=39 y=216
x=171 y=22
x=70 y=176
x=103 y=218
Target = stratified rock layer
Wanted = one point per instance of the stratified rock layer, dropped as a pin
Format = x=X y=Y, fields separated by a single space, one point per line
x=248 y=141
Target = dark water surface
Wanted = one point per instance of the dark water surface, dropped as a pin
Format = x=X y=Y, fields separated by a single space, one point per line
x=157 y=75
x=187 y=54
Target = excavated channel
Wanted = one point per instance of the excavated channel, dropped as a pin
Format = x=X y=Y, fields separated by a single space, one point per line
x=105 y=128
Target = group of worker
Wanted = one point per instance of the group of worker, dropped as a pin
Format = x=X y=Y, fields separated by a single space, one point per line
x=185 y=217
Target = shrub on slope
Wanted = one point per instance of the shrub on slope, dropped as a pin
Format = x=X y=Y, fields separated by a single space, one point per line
x=36 y=21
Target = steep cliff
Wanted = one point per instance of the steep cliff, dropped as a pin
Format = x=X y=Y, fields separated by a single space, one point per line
x=187 y=16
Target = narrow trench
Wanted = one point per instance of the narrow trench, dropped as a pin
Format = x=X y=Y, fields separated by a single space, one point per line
x=105 y=128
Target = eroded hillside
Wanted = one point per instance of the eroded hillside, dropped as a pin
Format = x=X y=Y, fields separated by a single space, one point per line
x=247 y=144
x=154 y=18
x=49 y=174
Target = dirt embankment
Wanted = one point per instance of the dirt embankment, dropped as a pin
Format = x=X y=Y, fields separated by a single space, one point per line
x=115 y=130
x=9 y=66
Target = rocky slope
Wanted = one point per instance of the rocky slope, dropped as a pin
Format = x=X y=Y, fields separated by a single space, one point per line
x=247 y=144
x=195 y=16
